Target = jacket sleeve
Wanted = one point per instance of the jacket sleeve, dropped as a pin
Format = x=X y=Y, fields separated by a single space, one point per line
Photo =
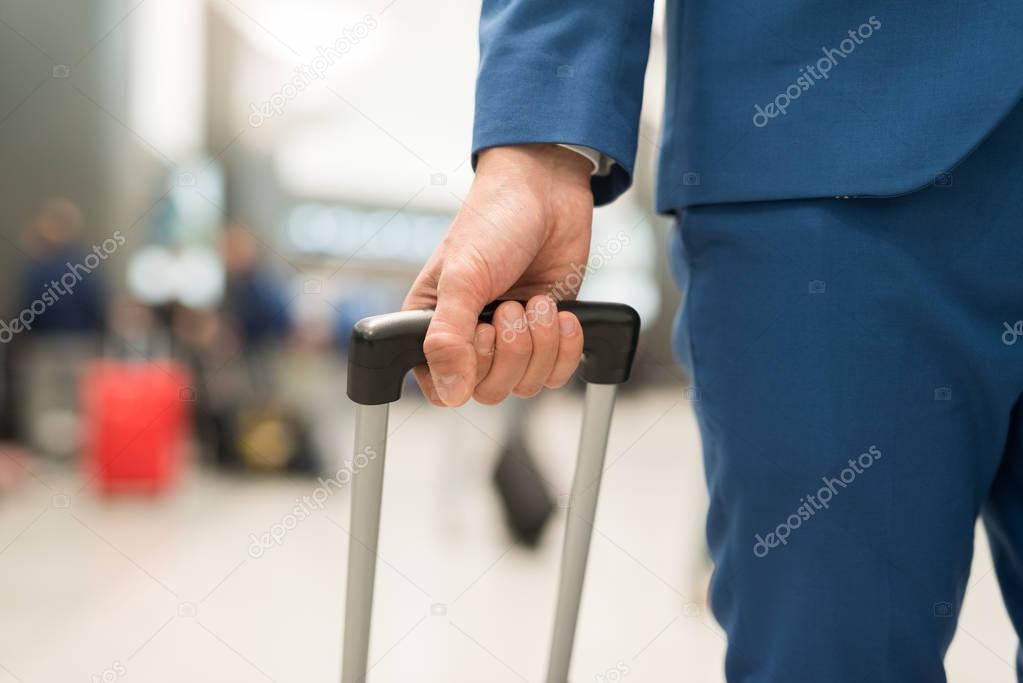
x=564 y=71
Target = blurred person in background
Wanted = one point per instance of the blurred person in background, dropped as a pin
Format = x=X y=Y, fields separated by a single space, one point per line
x=846 y=181
x=57 y=275
x=255 y=299
x=237 y=352
x=57 y=327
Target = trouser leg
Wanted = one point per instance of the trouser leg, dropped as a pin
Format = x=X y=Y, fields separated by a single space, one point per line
x=854 y=396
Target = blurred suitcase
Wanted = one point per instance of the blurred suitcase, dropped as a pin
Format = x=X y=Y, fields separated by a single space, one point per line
x=527 y=503
x=269 y=437
x=136 y=423
x=383 y=349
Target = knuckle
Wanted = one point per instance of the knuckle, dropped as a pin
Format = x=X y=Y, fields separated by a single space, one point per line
x=465 y=263
x=512 y=330
x=483 y=367
x=520 y=351
x=489 y=397
x=556 y=382
x=544 y=333
x=541 y=311
x=527 y=390
x=440 y=347
x=510 y=310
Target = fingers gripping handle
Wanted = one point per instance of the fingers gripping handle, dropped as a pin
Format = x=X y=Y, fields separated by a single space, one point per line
x=385 y=348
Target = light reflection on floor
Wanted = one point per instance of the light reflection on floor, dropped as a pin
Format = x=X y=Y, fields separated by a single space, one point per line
x=134 y=590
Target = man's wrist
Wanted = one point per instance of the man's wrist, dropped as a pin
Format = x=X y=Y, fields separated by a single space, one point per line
x=554 y=159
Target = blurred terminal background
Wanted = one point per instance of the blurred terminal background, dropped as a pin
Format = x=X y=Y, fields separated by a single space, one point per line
x=200 y=197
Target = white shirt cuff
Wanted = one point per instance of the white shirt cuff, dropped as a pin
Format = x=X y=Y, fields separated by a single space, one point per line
x=601 y=162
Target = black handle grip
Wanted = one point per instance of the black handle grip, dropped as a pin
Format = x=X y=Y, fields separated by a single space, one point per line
x=385 y=347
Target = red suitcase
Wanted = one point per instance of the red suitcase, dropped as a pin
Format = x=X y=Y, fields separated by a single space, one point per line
x=135 y=417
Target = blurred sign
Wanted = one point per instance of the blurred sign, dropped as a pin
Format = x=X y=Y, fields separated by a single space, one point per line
x=365 y=234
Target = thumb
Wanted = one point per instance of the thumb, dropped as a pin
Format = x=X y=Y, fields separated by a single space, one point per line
x=448 y=345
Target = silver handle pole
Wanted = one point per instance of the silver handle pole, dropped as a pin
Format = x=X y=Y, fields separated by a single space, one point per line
x=367 y=491
x=600 y=401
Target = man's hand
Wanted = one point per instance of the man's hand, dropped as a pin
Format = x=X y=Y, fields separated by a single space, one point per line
x=523 y=233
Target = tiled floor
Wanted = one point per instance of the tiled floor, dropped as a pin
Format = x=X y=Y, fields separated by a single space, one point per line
x=137 y=590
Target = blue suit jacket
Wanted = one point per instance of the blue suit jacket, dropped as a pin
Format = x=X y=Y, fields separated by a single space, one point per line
x=765 y=100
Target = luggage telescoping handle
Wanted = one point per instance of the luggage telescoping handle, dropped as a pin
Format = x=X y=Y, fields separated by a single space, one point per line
x=383 y=350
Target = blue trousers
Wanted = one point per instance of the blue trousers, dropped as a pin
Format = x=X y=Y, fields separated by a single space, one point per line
x=857 y=369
